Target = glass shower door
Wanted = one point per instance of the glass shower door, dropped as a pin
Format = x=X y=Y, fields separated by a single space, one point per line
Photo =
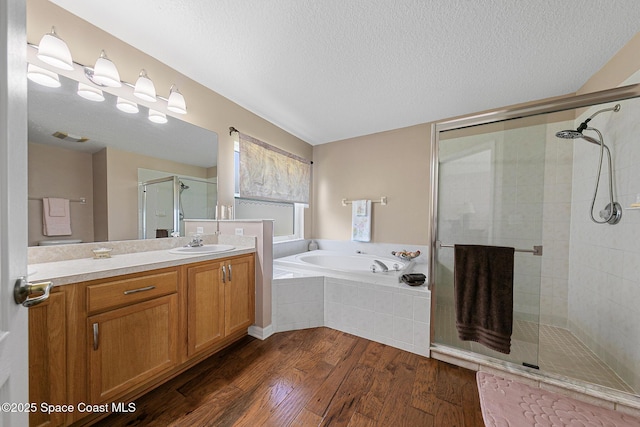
x=490 y=192
x=158 y=213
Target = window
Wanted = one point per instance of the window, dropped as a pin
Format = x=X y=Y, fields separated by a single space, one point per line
x=288 y=216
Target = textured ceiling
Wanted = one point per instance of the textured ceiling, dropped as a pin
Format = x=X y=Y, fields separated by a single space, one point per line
x=327 y=70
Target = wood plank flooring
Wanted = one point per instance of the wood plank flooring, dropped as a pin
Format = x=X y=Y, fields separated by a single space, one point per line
x=312 y=377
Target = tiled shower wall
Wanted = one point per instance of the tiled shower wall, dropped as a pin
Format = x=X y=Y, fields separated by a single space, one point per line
x=604 y=276
x=491 y=191
x=555 y=226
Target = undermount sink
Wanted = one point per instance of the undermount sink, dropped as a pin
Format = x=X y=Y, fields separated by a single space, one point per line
x=201 y=250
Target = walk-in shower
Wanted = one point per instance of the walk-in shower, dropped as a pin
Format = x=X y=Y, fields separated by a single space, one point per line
x=611 y=213
x=165 y=202
x=504 y=179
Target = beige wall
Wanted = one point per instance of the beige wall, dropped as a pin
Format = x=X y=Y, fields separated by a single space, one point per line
x=58 y=172
x=207 y=109
x=619 y=68
x=394 y=164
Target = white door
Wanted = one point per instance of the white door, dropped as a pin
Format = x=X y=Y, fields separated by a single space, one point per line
x=14 y=376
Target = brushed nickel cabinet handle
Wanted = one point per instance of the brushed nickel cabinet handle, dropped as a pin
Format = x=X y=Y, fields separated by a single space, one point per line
x=95 y=336
x=230 y=279
x=224 y=274
x=133 y=291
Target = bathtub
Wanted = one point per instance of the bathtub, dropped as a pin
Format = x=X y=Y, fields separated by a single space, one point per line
x=358 y=266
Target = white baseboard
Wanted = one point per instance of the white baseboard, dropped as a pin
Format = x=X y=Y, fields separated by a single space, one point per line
x=260 y=333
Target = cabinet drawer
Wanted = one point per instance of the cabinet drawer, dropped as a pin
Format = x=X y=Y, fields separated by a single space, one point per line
x=128 y=291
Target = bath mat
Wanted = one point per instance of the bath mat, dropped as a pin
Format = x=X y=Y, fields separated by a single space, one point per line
x=507 y=403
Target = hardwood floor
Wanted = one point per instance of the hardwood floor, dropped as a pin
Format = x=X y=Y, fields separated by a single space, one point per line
x=312 y=377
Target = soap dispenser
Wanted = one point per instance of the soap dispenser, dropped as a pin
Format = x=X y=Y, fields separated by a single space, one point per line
x=313 y=246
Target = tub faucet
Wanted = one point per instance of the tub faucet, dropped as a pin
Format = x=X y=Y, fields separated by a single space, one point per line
x=382 y=265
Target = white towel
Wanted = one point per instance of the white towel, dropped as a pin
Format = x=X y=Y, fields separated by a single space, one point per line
x=361 y=221
x=56 y=217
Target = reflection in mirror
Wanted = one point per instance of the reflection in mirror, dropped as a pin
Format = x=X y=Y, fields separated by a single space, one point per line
x=95 y=156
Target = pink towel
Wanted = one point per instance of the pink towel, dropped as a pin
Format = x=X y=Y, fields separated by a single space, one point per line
x=56 y=218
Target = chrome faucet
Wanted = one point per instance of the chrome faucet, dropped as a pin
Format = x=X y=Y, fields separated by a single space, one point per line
x=382 y=265
x=196 y=241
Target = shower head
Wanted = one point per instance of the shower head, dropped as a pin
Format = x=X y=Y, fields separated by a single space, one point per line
x=575 y=134
x=183 y=186
x=569 y=134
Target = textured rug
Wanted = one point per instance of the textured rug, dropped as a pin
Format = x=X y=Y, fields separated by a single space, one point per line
x=510 y=403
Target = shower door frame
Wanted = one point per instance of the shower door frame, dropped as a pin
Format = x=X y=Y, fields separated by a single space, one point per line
x=534 y=108
x=176 y=202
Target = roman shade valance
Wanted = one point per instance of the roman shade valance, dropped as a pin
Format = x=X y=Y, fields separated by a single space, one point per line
x=269 y=173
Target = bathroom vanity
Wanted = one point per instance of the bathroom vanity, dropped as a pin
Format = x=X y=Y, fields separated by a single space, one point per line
x=97 y=344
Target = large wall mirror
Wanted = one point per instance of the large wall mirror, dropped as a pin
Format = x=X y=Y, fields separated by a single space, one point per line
x=125 y=177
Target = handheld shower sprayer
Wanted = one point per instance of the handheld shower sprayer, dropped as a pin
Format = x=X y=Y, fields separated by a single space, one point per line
x=612 y=213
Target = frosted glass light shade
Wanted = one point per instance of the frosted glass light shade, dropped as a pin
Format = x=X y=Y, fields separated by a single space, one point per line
x=176 y=101
x=42 y=76
x=126 y=106
x=144 y=88
x=157 y=116
x=105 y=72
x=89 y=92
x=54 y=51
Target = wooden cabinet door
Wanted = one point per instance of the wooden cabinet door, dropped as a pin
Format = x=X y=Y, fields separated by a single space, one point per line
x=205 y=305
x=47 y=359
x=130 y=345
x=239 y=294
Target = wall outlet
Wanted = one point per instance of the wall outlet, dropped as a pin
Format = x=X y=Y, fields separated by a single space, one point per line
x=239 y=231
x=200 y=230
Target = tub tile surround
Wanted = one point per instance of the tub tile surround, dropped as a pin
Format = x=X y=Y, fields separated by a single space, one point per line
x=393 y=314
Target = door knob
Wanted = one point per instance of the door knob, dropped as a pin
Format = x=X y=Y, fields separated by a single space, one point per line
x=23 y=290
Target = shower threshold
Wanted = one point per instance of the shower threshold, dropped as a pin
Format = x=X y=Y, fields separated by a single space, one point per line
x=578 y=389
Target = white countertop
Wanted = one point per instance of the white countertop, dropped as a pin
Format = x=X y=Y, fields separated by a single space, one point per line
x=80 y=270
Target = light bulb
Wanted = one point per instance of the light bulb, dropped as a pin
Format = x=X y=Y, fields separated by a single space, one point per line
x=127 y=106
x=105 y=72
x=42 y=76
x=54 y=51
x=144 y=88
x=89 y=92
x=157 y=116
x=176 y=101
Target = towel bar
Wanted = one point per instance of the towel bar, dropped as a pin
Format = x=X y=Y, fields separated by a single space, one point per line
x=382 y=201
x=81 y=200
x=537 y=250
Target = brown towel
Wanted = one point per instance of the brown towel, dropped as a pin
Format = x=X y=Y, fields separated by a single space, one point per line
x=484 y=295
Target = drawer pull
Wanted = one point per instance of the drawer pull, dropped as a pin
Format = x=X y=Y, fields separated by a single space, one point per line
x=95 y=336
x=134 y=291
x=224 y=274
x=230 y=279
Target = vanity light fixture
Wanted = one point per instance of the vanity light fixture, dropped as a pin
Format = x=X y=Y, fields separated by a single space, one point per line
x=144 y=88
x=176 y=101
x=157 y=117
x=104 y=73
x=127 y=106
x=89 y=92
x=54 y=51
x=42 y=76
